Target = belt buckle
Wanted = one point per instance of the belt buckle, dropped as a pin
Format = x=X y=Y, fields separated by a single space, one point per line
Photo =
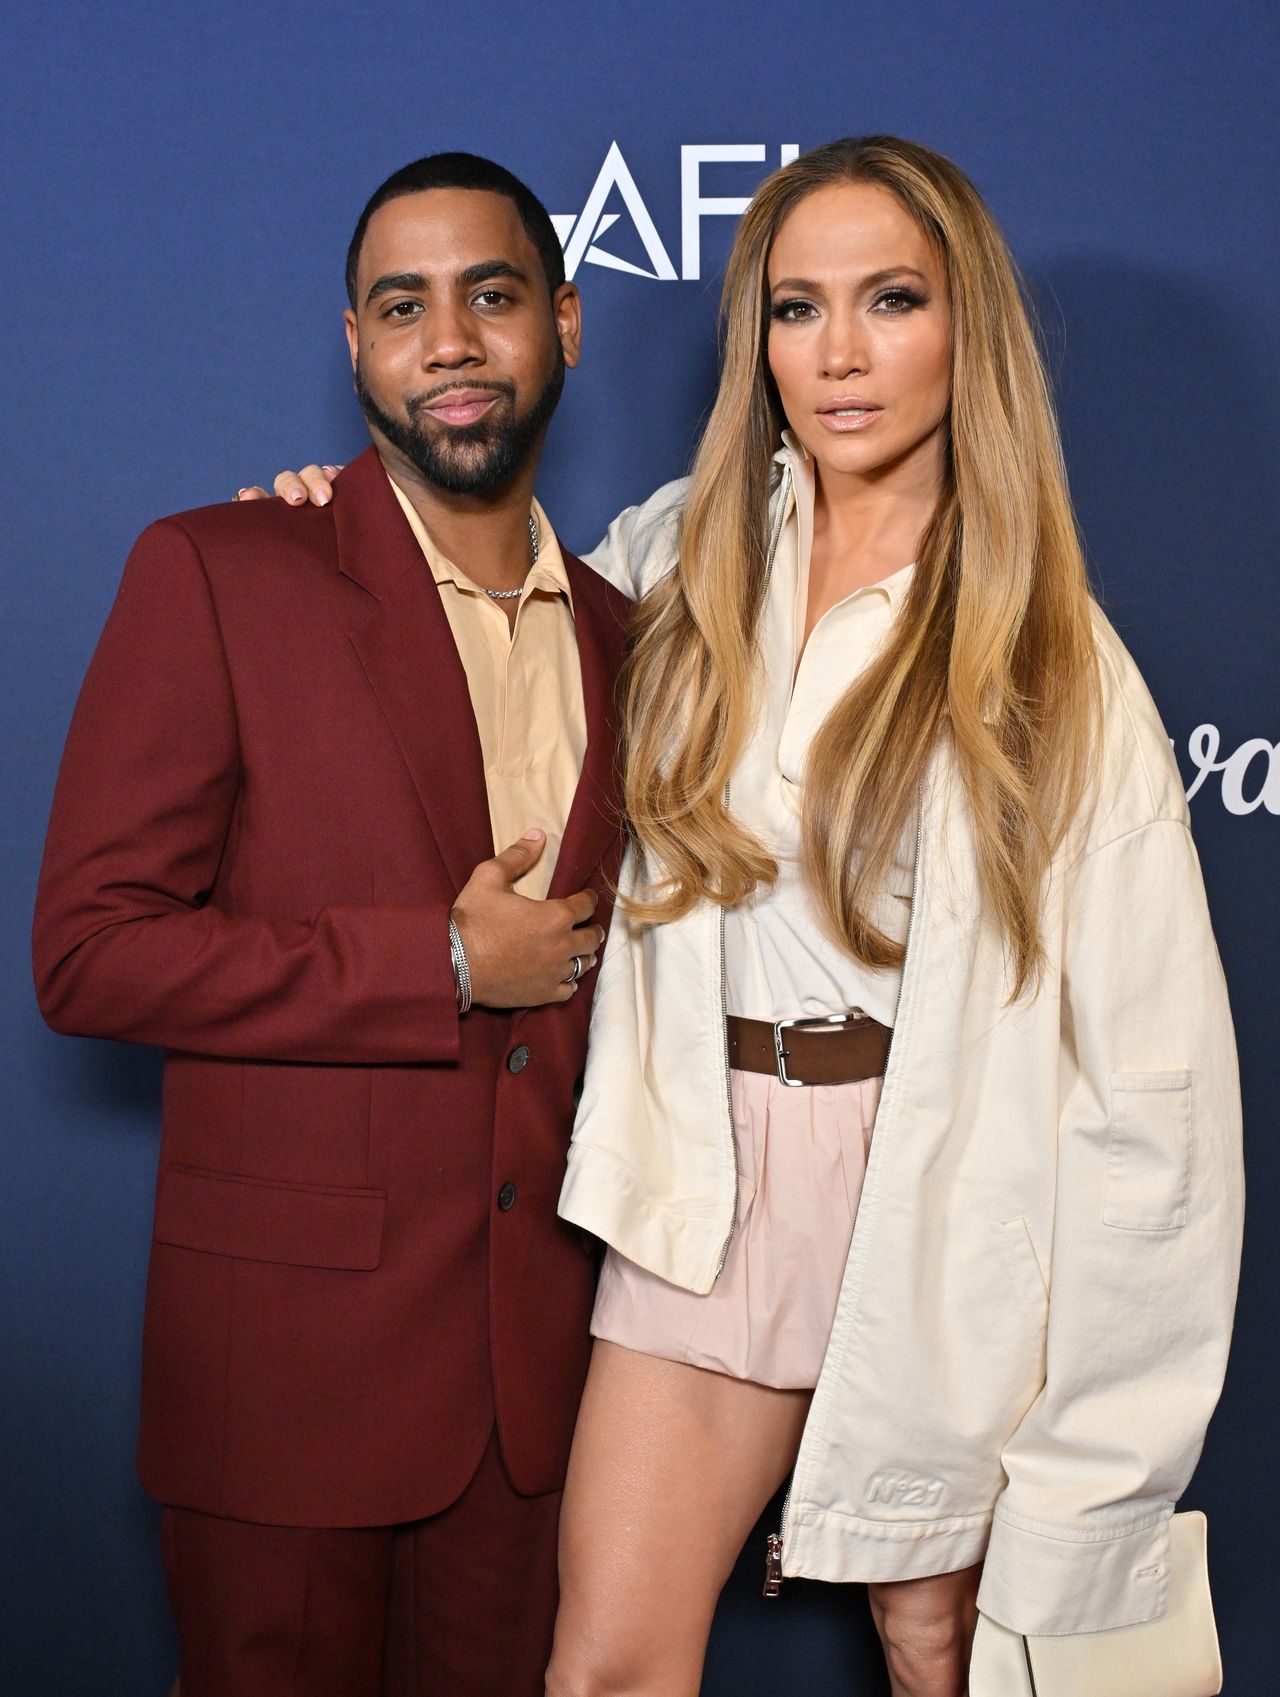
x=850 y=1016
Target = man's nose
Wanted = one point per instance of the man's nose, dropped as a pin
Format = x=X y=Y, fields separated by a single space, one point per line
x=451 y=339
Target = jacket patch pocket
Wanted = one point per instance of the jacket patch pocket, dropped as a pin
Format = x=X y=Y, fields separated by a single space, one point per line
x=296 y=1225
x=1148 y=1151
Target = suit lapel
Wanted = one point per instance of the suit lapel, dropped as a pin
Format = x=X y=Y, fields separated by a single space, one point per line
x=595 y=817
x=412 y=665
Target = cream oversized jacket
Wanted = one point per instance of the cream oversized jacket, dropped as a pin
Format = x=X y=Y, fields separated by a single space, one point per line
x=1033 y=1324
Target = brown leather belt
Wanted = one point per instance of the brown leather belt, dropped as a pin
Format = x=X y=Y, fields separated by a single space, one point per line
x=832 y=1049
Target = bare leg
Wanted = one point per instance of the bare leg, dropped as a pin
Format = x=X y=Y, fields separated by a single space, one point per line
x=671 y=1468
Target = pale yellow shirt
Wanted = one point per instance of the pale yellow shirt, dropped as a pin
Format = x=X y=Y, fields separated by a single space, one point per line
x=525 y=685
x=780 y=962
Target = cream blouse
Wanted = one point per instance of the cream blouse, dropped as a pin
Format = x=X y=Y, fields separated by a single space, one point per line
x=779 y=961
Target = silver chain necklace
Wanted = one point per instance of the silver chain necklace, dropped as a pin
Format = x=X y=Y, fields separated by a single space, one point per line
x=535 y=542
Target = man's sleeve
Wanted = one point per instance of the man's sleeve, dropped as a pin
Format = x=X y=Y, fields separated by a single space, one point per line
x=125 y=943
x=1146 y=1249
x=642 y=542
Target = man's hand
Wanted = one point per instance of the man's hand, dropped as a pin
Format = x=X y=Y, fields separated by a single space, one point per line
x=520 y=952
x=926 y=1628
x=313 y=481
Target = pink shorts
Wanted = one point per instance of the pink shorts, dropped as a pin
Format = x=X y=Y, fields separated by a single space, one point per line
x=802 y=1154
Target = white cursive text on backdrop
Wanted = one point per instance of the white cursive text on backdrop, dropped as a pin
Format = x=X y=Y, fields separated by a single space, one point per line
x=1250 y=775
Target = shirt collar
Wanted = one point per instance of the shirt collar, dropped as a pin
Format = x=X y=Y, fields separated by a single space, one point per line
x=548 y=572
x=795 y=457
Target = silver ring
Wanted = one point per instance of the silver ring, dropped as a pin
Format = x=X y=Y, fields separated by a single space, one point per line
x=576 y=973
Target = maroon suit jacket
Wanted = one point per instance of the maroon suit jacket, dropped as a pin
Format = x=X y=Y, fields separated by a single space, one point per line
x=272 y=792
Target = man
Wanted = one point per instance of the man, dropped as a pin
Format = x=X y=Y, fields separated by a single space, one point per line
x=272 y=852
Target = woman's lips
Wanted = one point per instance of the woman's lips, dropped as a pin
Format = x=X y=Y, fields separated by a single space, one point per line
x=462 y=408
x=842 y=419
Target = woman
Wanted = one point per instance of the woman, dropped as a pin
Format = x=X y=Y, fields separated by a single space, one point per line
x=889 y=767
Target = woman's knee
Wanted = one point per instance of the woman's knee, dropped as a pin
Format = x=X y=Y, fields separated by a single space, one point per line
x=578 y=1679
x=581 y=1671
x=578 y=1671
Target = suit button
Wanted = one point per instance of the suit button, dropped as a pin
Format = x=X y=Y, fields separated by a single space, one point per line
x=507 y=1197
x=518 y=1059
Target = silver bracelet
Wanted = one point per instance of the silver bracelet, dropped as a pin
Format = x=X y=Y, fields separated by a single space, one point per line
x=461 y=971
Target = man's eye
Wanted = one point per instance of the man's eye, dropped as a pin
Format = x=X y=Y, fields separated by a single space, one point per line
x=491 y=297
x=403 y=309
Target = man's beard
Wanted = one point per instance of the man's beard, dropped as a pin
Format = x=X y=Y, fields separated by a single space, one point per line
x=466 y=459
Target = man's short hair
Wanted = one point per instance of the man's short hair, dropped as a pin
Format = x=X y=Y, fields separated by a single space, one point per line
x=464 y=171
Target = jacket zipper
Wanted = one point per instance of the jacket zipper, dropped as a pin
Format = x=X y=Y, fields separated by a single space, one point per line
x=773 y=1554
x=783 y=492
x=773 y=1551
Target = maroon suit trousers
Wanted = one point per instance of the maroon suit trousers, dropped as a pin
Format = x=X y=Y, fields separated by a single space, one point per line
x=461 y=1604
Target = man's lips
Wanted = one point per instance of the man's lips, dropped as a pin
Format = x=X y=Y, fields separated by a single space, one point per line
x=461 y=406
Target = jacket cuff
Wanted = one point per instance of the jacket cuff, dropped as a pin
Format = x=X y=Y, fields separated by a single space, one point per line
x=1049 y=1581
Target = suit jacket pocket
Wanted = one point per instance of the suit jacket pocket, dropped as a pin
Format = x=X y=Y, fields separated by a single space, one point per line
x=298 y=1225
x=1148 y=1151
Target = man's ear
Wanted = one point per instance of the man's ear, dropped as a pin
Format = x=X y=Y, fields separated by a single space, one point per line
x=566 y=307
x=353 y=335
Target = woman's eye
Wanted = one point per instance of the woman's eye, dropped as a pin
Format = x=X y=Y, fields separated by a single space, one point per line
x=896 y=301
x=793 y=312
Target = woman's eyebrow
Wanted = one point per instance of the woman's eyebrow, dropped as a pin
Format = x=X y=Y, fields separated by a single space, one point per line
x=889 y=271
x=806 y=285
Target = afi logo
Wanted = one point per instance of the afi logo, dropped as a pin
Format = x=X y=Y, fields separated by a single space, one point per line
x=580 y=232
x=905 y=1490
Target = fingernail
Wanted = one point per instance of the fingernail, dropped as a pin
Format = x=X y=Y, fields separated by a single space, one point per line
x=294 y=495
x=322 y=500
x=531 y=836
x=329 y=470
x=241 y=493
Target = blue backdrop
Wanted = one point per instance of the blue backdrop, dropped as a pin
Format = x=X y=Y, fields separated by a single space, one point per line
x=180 y=187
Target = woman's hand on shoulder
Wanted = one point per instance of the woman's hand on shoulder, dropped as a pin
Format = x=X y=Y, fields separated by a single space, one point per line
x=313 y=483
x=926 y=1628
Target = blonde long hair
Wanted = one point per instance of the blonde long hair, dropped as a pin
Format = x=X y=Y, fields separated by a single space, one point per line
x=994 y=648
